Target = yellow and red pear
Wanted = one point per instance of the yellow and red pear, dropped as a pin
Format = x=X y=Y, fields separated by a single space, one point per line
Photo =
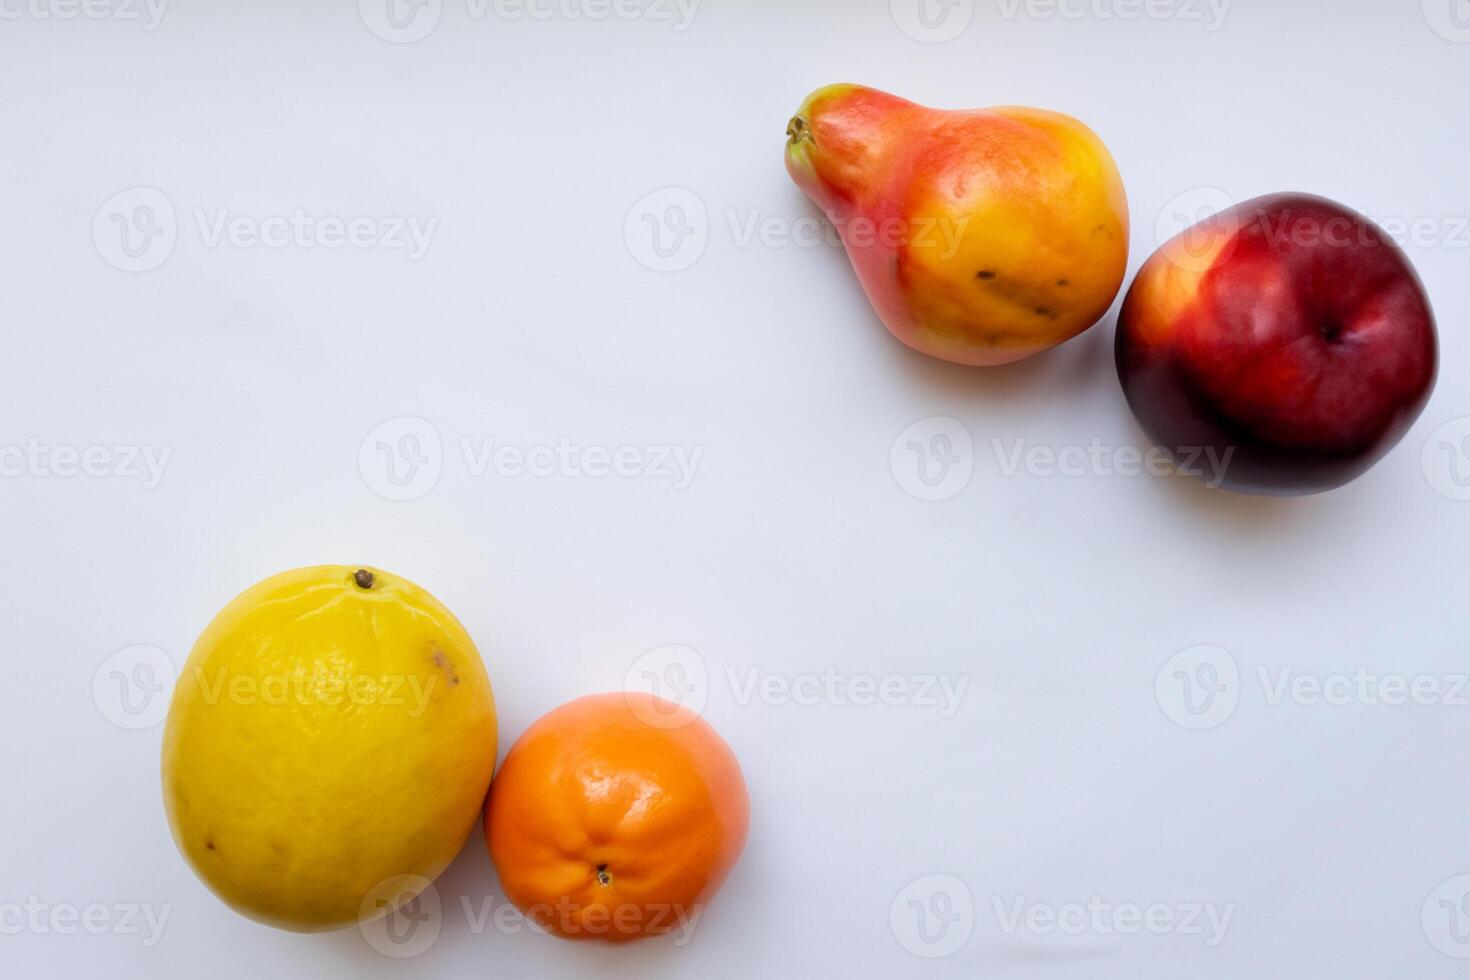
x=980 y=236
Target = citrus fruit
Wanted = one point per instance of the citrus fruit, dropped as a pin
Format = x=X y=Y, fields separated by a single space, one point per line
x=616 y=816
x=330 y=738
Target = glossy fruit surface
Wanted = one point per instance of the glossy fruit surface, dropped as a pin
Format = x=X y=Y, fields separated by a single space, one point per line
x=981 y=236
x=1289 y=336
x=616 y=816
x=333 y=730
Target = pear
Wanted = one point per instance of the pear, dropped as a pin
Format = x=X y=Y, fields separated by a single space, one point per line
x=980 y=236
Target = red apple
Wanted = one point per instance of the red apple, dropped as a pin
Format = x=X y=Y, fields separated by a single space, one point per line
x=1288 y=337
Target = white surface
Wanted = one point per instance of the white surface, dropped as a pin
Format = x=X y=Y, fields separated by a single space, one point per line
x=1057 y=600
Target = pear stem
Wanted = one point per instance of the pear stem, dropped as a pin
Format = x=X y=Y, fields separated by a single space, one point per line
x=797 y=130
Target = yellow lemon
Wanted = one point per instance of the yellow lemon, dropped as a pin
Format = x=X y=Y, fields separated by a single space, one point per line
x=331 y=737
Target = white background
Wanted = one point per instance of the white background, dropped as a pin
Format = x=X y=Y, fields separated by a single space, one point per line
x=1333 y=834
